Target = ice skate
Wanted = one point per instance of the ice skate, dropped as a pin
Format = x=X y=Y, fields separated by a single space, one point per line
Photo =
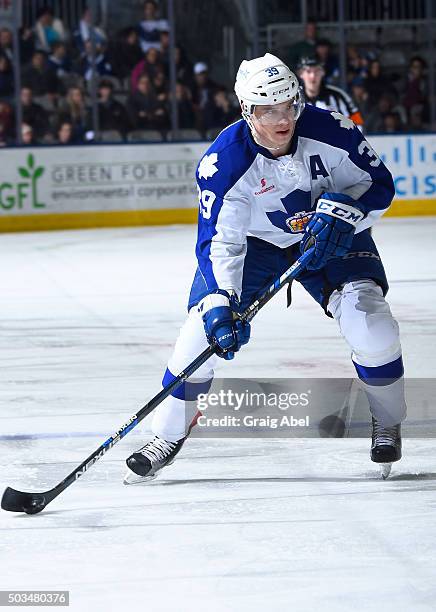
x=144 y=464
x=386 y=446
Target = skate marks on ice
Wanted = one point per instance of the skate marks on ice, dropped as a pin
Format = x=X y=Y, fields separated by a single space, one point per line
x=368 y=477
x=244 y=519
x=222 y=536
x=286 y=469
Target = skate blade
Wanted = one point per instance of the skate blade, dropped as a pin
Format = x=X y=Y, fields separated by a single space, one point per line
x=131 y=478
x=385 y=470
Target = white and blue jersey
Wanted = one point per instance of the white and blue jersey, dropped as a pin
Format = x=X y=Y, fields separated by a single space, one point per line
x=245 y=191
x=253 y=209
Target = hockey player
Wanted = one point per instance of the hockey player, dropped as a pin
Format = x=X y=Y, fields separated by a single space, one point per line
x=328 y=97
x=285 y=177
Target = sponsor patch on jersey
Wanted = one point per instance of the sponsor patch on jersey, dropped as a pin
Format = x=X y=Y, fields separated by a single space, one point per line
x=298 y=222
x=264 y=187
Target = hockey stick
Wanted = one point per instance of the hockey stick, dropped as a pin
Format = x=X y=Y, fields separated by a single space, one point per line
x=32 y=503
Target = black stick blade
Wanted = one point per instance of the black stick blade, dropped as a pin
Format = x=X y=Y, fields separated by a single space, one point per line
x=17 y=501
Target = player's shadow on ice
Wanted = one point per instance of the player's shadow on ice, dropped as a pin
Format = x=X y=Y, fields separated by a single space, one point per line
x=368 y=477
x=420 y=476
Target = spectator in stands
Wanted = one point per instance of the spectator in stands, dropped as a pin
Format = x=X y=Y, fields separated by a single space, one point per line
x=164 y=45
x=377 y=84
x=330 y=62
x=75 y=111
x=84 y=30
x=149 y=65
x=184 y=72
x=145 y=111
x=64 y=134
x=6 y=44
x=102 y=64
x=415 y=91
x=151 y=26
x=33 y=113
x=416 y=121
x=27 y=45
x=374 y=118
x=6 y=124
x=391 y=123
x=27 y=135
x=183 y=67
x=219 y=112
x=40 y=80
x=48 y=29
x=360 y=96
x=58 y=61
x=6 y=77
x=160 y=85
x=111 y=114
x=203 y=90
x=357 y=64
x=185 y=108
x=318 y=93
x=125 y=54
x=161 y=90
x=305 y=47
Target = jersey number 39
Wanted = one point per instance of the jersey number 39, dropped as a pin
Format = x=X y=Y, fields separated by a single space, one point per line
x=207 y=198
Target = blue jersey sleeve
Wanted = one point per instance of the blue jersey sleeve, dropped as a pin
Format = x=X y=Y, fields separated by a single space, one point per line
x=361 y=174
x=382 y=190
x=224 y=213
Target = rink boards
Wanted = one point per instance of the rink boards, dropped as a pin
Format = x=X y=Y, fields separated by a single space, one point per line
x=135 y=184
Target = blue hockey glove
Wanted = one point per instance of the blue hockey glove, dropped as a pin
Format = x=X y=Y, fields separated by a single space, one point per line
x=222 y=325
x=331 y=229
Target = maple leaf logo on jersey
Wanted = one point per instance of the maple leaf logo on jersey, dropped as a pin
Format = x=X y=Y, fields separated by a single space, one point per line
x=344 y=122
x=296 y=213
x=207 y=167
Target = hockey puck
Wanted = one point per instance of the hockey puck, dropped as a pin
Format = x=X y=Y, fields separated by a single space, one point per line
x=331 y=426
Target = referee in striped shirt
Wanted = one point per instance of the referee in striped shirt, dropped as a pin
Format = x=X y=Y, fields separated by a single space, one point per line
x=318 y=93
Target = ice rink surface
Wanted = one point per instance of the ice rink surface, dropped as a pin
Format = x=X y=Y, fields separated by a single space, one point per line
x=88 y=319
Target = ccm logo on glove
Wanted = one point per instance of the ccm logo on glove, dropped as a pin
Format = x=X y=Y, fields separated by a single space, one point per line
x=347 y=213
x=331 y=229
x=224 y=329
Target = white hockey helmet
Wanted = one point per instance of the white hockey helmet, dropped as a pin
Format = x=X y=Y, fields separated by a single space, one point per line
x=266 y=81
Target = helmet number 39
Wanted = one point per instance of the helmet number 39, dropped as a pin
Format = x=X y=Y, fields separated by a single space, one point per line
x=271 y=71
